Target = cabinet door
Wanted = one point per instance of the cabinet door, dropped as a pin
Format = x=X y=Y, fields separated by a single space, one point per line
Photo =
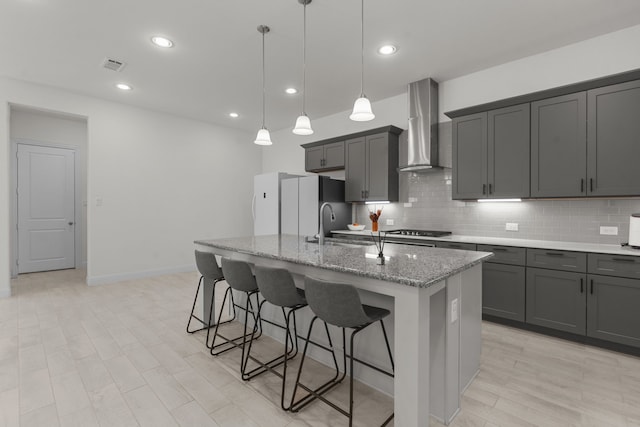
x=508 y=152
x=612 y=308
x=355 y=170
x=614 y=140
x=313 y=158
x=377 y=170
x=503 y=291
x=556 y=299
x=559 y=146
x=334 y=155
x=470 y=157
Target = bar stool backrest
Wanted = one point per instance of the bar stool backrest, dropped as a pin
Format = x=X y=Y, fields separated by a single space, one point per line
x=277 y=286
x=208 y=266
x=238 y=275
x=335 y=303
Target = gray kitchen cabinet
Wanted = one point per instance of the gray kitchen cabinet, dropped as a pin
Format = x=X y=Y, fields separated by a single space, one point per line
x=556 y=299
x=613 y=140
x=612 y=307
x=615 y=265
x=456 y=245
x=469 y=157
x=324 y=157
x=557 y=260
x=503 y=290
x=559 y=146
x=371 y=168
x=503 y=282
x=491 y=154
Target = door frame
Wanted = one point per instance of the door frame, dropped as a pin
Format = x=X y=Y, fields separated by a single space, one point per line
x=77 y=211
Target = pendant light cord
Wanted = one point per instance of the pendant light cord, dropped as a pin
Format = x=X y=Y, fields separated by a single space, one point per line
x=362 y=48
x=304 y=59
x=263 y=84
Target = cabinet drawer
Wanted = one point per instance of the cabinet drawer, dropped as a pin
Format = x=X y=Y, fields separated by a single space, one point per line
x=505 y=254
x=455 y=245
x=557 y=260
x=615 y=265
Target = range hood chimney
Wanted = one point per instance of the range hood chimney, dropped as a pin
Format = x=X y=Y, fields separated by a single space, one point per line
x=420 y=150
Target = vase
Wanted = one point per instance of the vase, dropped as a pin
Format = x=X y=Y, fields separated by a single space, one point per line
x=374 y=225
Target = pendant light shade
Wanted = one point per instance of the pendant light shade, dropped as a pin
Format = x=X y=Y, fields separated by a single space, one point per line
x=362 y=107
x=303 y=123
x=303 y=126
x=263 y=137
x=362 y=110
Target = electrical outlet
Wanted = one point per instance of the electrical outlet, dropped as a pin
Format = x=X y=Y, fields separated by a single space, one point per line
x=454 y=310
x=511 y=226
x=390 y=221
x=413 y=199
x=609 y=231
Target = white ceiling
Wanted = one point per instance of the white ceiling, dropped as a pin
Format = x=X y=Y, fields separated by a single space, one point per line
x=215 y=65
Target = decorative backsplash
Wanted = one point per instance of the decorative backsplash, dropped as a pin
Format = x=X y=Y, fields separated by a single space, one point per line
x=426 y=204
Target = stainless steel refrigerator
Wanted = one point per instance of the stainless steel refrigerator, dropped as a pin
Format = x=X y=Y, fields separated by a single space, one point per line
x=301 y=198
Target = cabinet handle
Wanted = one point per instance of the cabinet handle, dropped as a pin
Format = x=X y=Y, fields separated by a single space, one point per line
x=554 y=254
x=490 y=189
x=591 y=286
x=624 y=259
x=484 y=188
x=581 y=285
x=582 y=185
x=591 y=184
x=499 y=249
x=362 y=194
x=366 y=193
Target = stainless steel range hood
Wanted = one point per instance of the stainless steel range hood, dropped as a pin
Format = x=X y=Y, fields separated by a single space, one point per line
x=419 y=150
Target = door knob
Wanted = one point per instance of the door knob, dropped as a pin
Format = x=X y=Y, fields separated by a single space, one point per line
x=71 y=223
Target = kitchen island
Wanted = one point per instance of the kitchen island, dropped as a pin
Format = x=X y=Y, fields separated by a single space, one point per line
x=435 y=298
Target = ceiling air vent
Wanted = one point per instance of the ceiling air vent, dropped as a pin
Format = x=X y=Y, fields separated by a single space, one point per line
x=113 y=64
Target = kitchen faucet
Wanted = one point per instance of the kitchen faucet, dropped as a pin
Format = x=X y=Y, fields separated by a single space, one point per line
x=333 y=218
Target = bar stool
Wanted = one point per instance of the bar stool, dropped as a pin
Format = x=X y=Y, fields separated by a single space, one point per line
x=339 y=304
x=210 y=274
x=278 y=288
x=239 y=278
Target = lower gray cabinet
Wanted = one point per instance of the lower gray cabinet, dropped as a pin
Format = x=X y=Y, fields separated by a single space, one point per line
x=456 y=245
x=503 y=290
x=557 y=299
x=613 y=307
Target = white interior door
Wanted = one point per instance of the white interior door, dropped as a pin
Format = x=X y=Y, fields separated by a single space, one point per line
x=46 y=206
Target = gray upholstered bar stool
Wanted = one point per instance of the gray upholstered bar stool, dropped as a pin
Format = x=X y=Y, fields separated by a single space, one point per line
x=239 y=278
x=339 y=304
x=278 y=288
x=210 y=275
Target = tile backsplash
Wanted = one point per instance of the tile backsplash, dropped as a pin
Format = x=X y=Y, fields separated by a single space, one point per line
x=426 y=204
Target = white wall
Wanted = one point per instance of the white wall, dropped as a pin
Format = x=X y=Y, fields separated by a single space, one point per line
x=27 y=125
x=164 y=181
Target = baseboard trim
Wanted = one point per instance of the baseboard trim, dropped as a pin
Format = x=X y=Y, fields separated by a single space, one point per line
x=121 y=277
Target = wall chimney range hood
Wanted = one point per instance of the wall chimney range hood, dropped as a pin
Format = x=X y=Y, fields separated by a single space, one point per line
x=418 y=149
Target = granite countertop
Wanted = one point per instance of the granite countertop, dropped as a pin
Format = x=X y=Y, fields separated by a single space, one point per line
x=416 y=266
x=523 y=243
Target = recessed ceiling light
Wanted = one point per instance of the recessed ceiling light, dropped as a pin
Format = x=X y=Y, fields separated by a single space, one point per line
x=234 y=115
x=123 y=86
x=387 y=49
x=291 y=90
x=161 y=41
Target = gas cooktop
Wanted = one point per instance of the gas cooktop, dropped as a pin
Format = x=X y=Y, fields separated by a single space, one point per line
x=421 y=233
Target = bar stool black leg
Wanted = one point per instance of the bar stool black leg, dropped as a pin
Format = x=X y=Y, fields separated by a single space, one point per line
x=232 y=342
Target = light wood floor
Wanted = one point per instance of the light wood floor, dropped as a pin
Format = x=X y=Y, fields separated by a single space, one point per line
x=117 y=355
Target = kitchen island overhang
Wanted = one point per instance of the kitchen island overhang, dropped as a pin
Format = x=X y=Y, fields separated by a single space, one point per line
x=435 y=297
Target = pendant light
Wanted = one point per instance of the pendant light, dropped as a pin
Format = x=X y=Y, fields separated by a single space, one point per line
x=362 y=107
x=263 y=137
x=303 y=124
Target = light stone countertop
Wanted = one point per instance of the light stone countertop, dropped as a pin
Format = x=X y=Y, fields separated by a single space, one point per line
x=416 y=266
x=523 y=243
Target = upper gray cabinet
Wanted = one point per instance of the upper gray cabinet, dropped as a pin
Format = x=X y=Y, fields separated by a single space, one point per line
x=371 y=167
x=324 y=157
x=558 y=146
x=613 y=144
x=491 y=154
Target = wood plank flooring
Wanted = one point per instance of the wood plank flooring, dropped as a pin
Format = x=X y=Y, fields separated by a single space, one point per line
x=118 y=355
